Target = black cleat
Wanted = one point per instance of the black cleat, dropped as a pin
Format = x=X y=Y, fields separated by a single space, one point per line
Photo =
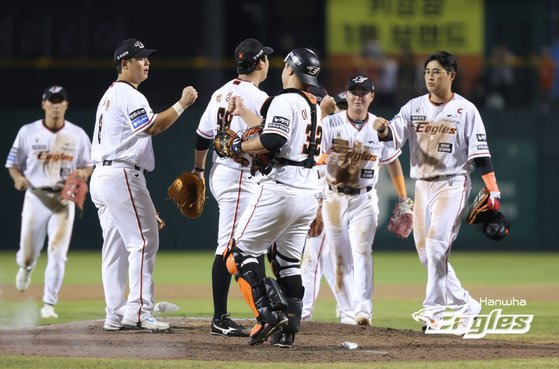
x=282 y=339
x=225 y=326
x=262 y=331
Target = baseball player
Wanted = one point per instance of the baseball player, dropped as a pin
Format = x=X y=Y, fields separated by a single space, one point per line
x=284 y=206
x=44 y=153
x=317 y=261
x=446 y=139
x=350 y=209
x=122 y=152
x=231 y=183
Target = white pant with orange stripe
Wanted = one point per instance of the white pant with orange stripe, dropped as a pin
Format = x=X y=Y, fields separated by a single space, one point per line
x=232 y=189
x=317 y=262
x=130 y=241
x=279 y=213
x=438 y=212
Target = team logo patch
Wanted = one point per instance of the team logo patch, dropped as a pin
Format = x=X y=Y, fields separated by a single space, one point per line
x=39 y=147
x=481 y=137
x=482 y=147
x=280 y=123
x=419 y=117
x=445 y=147
x=367 y=173
x=138 y=117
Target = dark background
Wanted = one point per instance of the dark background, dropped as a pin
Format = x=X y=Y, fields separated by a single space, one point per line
x=72 y=44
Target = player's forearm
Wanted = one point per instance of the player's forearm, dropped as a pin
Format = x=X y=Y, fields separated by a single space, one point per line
x=397 y=176
x=20 y=182
x=163 y=121
x=254 y=147
x=251 y=119
x=85 y=172
x=200 y=159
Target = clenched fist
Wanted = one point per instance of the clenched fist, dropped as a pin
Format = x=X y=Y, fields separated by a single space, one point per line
x=381 y=126
x=235 y=105
x=189 y=95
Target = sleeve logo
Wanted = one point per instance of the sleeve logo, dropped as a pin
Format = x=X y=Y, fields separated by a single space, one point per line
x=280 y=123
x=481 y=137
x=138 y=117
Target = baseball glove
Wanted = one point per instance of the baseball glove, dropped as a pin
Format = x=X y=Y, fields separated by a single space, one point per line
x=260 y=162
x=223 y=145
x=75 y=189
x=188 y=191
x=493 y=223
x=401 y=221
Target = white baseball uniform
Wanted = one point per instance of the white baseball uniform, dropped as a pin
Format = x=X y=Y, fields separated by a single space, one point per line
x=46 y=158
x=317 y=262
x=122 y=152
x=230 y=183
x=350 y=210
x=443 y=140
x=285 y=203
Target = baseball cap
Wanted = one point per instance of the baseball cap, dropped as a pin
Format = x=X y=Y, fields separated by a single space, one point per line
x=360 y=80
x=55 y=94
x=131 y=48
x=340 y=98
x=248 y=52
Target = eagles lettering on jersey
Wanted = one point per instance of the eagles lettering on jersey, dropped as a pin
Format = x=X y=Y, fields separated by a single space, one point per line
x=441 y=127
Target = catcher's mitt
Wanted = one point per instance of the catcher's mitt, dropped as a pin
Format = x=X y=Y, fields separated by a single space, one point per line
x=401 y=221
x=493 y=223
x=260 y=162
x=75 y=189
x=223 y=145
x=188 y=191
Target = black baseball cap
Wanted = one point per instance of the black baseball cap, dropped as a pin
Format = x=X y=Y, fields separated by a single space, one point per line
x=340 y=98
x=131 y=48
x=247 y=54
x=360 y=80
x=55 y=94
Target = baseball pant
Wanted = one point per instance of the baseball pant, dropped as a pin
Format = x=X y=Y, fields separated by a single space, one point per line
x=45 y=214
x=232 y=190
x=438 y=211
x=350 y=223
x=277 y=213
x=130 y=241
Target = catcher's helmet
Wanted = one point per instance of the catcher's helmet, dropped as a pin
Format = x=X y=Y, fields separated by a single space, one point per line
x=305 y=64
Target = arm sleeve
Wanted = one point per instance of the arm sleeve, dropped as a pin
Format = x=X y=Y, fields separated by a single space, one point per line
x=477 y=139
x=272 y=141
x=202 y=143
x=140 y=114
x=17 y=155
x=279 y=118
x=207 y=126
x=399 y=126
x=484 y=165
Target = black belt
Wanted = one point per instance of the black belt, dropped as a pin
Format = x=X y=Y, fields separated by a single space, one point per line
x=350 y=190
x=48 y=189
x=439 y=178
x=108 y=163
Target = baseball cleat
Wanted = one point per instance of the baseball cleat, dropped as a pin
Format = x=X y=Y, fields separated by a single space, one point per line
x=262 y=331
x=282 y=339
x=150 y=324
x=362 y=319
x=227 y=327
x=47 y=312
x=23 y=278
x=111 y=327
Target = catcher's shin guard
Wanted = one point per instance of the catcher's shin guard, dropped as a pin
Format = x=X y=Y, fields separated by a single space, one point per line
x=286 y=337
x=282 y=266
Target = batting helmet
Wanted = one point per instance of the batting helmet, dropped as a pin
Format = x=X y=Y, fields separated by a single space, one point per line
x=305 y=64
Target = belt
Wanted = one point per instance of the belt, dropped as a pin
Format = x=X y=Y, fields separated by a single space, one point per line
x=47 y=189
x=120 y=164
x=439 y=178
x=350 y=190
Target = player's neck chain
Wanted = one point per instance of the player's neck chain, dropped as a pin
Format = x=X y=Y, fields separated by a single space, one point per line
x=359 y=123
x=246 y=80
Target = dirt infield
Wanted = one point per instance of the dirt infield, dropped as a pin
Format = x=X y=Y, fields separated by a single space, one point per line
x=317 y=343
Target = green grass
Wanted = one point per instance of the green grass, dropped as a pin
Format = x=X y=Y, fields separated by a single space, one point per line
x=521 y=271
